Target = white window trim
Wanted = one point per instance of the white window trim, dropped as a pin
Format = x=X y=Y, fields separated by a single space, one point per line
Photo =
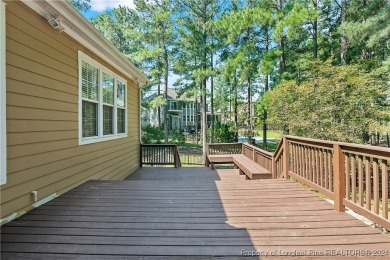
x=172 y=106
x=3 y=113
x=100 y=138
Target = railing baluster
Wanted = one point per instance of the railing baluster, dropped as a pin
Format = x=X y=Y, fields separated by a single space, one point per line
x=360 y=180
x=320 y=154
x=317 y=166
x=326 y=181
x=304 y=148
x=331 y=173
x=376 y=185
x=368 y=183
x=308 y=163
x=311 y=164
x=347 y=177
x=353 y=175
x=385 y=190
x=295 y=158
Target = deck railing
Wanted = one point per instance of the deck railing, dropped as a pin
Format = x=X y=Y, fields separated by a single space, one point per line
x=223 y=148
x=259 y=156
x=160 y=154
x=354 y=176
x=191 y=156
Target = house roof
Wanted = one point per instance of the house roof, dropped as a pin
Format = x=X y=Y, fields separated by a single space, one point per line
x=79 y=28
x=173 y=94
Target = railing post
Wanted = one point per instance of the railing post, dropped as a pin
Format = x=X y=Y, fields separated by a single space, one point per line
x=207 y=153
x=273 y=170
x=285 y=158
x=339 y=178
x=140 y=155
x=174 y=156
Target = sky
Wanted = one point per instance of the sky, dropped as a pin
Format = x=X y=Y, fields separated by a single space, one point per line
x=100 y=6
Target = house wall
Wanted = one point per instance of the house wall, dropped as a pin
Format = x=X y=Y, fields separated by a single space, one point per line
x=42 y=117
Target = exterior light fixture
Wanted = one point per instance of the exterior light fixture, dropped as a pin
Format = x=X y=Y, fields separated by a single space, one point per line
x=56 y=24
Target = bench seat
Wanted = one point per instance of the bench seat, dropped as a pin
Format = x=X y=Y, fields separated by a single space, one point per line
x=251 y=169
x=220 y=158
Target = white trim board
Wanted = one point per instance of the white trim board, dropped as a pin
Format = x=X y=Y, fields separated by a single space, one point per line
x=100 y=137
x=3 y=111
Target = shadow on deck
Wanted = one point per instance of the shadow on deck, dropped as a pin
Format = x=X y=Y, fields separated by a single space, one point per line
x=187 y=213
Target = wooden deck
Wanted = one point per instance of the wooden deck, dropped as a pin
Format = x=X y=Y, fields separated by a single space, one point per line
x=188 y=213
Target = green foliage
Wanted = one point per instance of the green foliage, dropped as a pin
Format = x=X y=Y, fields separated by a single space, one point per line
x=81 y=5
x=372 y=14
x=224 y=133
x=152 y=135
x=177 y=137
x=292 y=47
x=336 y=103
x=158 y=101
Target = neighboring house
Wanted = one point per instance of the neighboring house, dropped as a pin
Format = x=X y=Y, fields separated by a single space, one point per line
x=71 y=109
x=182 y=112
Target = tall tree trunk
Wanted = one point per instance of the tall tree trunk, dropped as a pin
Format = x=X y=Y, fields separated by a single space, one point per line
x=204 y=81
x=166 y=72
x=204 y=119
x=212 y=92
x=266 y=87
x=230 y=98
x=235 y=108
x=331 y=44
x=343 y=45
x=249 y=111
x=265 y=115
x=196 y=120
x=282 y=58
x=315 y=32
x=159 y=107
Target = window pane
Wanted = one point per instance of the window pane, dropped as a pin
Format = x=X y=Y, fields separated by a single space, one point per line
x=90 y=81
x=108 y=89
x=89 y=119
x=108 y=128
x=121 y=120
x=120 y=94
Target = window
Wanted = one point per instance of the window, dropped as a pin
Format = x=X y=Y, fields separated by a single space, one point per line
x=102 y=109
x=173 y=105
x=3 y=137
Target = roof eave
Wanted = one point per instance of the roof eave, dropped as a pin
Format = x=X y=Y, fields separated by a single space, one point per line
x=77 y=27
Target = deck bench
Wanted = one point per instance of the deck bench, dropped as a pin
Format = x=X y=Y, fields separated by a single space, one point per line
x=252 y=170
x=220 y=159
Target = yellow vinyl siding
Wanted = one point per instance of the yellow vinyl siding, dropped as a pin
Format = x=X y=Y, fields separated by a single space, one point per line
x=42 y=116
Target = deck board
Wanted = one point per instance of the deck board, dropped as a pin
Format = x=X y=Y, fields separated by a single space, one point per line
x=185 y=213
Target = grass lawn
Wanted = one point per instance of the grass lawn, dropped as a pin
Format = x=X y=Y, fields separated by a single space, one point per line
x=271 y=147
x=270 y=134
x=190 y=144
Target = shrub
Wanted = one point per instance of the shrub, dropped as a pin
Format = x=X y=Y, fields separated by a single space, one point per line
x=152 y=135
x=177 y=137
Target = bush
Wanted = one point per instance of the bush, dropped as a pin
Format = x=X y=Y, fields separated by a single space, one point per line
x=152 y=135
x=224 y=133
x=177 y=137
